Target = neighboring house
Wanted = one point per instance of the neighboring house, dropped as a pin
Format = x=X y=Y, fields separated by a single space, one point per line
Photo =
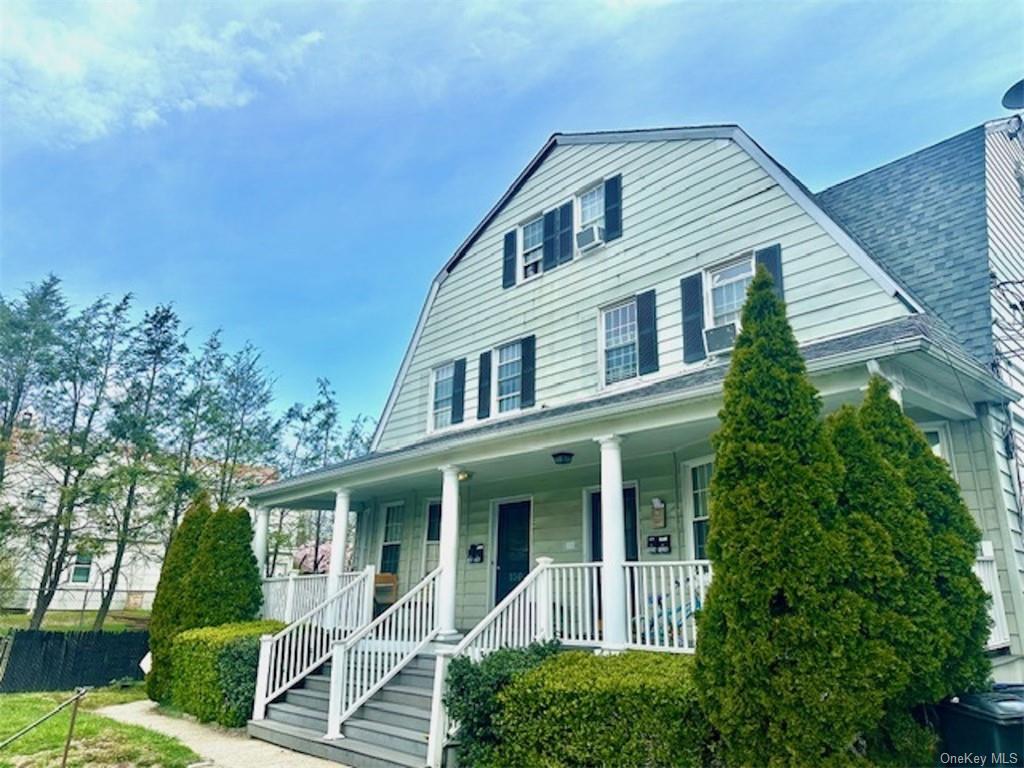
x=541 y=467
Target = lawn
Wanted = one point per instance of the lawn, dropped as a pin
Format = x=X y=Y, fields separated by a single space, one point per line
x=99 y=741
x=73 y=621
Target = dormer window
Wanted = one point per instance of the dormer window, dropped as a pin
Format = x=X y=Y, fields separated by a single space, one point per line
x=533 y=247
x=592 y=207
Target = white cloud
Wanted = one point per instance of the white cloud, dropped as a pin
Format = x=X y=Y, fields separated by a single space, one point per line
x=73 y=73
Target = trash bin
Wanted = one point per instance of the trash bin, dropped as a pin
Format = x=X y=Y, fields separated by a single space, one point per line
x=988 y=724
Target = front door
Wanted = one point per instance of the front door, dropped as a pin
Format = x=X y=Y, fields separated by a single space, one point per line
x=513 y=547
x=629 y=508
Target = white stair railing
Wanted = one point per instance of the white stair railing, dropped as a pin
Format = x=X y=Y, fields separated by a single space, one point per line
x=306 y=643
x=365 y=661
x=285 y=598
x=987 y=571
x=662 y=601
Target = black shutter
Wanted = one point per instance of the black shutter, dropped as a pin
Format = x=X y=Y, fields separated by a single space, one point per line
x=483 y=390
x=613 y=208
x=693 y=318
x=528 y=351
x=508 y=264
x=565 y=228
x=771 y=257
x=458 y=390
x=550 y=240
x=647 y=332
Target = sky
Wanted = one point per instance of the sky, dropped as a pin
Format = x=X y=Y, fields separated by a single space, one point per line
x=296 y=173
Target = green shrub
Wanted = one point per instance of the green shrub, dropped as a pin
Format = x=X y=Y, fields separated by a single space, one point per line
x=223 y=584
x=580 y=709
x=784 y=673
x=214 y=670
x=472 y=696
x=167 y=618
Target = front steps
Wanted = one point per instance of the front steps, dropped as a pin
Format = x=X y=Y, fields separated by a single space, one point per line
x=388 y=731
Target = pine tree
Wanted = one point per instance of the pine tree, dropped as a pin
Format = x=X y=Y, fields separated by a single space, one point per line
x=224 y=582
x=168 y=615
x=959 y=616
x=780 y=663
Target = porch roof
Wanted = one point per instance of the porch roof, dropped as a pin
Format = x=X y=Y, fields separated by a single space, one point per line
x=917 y=333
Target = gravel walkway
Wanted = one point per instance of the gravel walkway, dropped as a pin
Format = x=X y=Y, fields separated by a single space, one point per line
x=220 y=748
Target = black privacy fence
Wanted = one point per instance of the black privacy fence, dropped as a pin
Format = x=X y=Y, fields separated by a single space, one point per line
x=43 y=660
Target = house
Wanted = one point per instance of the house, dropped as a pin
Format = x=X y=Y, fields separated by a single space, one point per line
x=541 y=466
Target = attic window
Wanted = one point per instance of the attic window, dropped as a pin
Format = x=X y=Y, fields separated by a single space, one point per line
x=533 y=246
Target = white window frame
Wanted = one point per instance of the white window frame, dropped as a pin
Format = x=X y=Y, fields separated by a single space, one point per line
x=426 y=530
x=76 y=566
x=521 y=262
x=431 y=412
x=495 y=366
x=689 y=510
x=384 y=541
x=580 y=223
x=709 y=304
x=602 y=346
x=945 y=440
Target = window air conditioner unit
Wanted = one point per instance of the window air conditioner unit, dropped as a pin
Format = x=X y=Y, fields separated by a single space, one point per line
x=589 y=237
x=720 y=338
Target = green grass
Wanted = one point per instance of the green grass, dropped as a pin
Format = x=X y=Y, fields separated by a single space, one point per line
x=99 y=742
x=73 y=621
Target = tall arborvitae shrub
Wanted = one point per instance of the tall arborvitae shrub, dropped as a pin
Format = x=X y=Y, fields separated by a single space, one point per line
x=783 y=672
x=961 y=615
x=224 y=583
x=167 y=618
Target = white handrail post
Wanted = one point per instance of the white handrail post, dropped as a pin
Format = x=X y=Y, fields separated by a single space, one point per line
x=438 y=714
x=544 y=624
x=259 y=705
x=289 y=600
x=370 y=574
x=337 y=689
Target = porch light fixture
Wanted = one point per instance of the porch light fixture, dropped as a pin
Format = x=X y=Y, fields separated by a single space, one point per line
x=464 y=476
x=562 y=457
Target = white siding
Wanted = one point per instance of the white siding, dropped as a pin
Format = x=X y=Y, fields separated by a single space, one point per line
x=686 y=205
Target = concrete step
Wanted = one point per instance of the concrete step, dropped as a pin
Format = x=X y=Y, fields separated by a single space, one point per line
x=308 y=698
x=391 y=737
x=291 y=714
x=348 y=751
x=406 y=695
x=416 y=678
x=413 y=718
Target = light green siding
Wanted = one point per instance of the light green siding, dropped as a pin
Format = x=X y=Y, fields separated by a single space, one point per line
x=687 y=205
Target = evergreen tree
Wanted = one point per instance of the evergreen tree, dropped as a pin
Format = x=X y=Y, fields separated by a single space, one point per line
x=780 y=663
x=223 y=584
x=168 y=616
x=960 y=617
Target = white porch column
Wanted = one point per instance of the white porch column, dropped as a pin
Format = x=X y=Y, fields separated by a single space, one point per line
x=448 y=553
x=613 y=545
x=339 y=540
x=259 y=539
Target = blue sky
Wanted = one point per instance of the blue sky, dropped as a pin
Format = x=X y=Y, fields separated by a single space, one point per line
x=295 y=173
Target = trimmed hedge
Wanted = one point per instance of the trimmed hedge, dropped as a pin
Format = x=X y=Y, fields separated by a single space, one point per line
x=472 y=696
x=214 y=670
x=580 y=709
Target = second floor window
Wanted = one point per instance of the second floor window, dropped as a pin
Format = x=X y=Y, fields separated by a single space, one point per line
x=620 y=342
x=533 y=247
x=510 y=378
x=444 y=379
x=592 y=207
x=729 y=290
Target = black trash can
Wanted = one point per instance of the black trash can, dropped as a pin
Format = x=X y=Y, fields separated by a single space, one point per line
x=984 y=724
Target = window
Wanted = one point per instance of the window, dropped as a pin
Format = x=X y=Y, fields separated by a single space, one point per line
x=444 y=378
x=510 y=377
x=700 y=485
x=82 y=569
x=592 y=207
x=391 y=549
x=432 y=544
x=729 y=290
x=533 y=247
x=620 y=352
x=434 y=521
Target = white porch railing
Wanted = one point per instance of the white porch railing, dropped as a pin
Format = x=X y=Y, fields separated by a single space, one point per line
x=662 y=601
x=306 y=643
x=574 y=603
x=365 y=661
x=987 y=571
x=285 y=598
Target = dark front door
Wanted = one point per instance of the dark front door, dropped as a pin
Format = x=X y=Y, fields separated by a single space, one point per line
x=513 y=553
x=629 y=504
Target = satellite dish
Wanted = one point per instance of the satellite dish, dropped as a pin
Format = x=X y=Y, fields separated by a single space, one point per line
x=1014 y=98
